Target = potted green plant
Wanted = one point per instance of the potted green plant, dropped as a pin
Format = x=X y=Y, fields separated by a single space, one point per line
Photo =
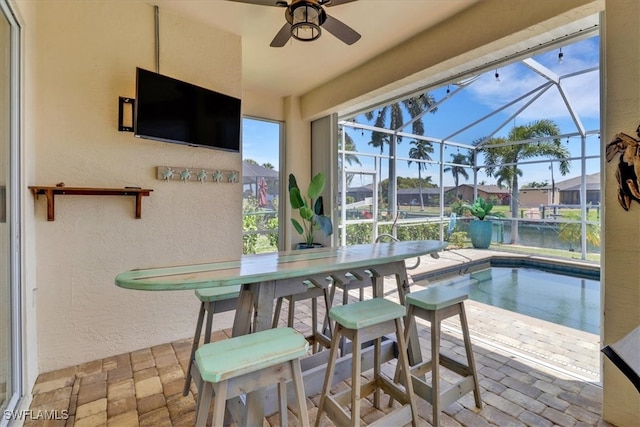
x=480 y=229
x=311 y=210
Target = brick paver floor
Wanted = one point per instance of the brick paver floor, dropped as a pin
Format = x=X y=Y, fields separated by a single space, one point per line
x=530 y=375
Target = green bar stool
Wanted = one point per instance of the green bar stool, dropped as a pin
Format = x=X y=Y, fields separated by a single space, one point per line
x=239 y=365
x=212 y=300
x=317 y=338
x=351 y=281
x=434 y=305
x=361 y=322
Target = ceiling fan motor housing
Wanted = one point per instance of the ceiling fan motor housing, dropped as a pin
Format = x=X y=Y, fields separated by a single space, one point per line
x=305 y=17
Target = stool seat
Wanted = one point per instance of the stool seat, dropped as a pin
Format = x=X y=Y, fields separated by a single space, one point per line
x=218 y=293
x=436 y=298
x=240 y=365
x=361 y=314
x=249 y=353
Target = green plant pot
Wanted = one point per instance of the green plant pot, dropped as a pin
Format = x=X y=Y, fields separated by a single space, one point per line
x=480 y=233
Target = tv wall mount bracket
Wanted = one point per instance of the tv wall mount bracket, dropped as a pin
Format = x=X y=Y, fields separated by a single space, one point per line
x=126 y=108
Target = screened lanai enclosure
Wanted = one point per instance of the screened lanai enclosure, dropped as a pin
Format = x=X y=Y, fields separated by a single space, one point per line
x=522 y=133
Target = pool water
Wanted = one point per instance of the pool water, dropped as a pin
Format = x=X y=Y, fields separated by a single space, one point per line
x=558 y=298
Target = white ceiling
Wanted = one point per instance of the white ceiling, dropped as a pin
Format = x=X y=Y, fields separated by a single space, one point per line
x=299 y=67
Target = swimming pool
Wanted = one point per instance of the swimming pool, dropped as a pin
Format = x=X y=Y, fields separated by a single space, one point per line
x=569 y=300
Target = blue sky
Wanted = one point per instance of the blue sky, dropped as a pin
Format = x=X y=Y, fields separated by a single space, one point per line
x=260 y=141
x=479 y=99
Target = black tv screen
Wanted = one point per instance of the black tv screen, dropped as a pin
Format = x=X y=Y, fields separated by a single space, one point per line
x=171 y=110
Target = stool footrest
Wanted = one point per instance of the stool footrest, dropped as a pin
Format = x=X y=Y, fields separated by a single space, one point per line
x=452 y=394
x=336 y=413
x=343 y=398
x=445 y=361
x=334 y=405
x=394 y=391
x=398 y=417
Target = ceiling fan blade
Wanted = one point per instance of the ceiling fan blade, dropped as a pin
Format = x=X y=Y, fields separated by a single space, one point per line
x=282 y=37
x=261 y=2
x=329 y=3
x=341 y=30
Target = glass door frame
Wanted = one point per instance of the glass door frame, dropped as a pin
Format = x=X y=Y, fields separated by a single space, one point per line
x=282 y=180
x=14 y=211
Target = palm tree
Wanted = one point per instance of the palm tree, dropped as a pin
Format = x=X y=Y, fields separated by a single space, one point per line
x=392 y=117
x=571 y=232
x=456 y=170
x=420 y=151
x=505 y=177
x=502 y=160
x=349 y=145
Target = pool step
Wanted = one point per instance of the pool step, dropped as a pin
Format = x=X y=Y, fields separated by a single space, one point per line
x=457 y=282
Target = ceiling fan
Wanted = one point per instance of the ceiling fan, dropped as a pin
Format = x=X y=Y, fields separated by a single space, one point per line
x=305 y=18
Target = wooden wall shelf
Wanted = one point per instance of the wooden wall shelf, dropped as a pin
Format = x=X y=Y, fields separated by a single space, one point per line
x=51 y=192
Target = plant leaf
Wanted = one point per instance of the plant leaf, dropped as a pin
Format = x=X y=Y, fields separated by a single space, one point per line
x=306 y=213
x=295 y=198
x=297 y=226
x=292 y=182
x=488 y=208
x=324 y=223
x=318 y=207
x=316 y=186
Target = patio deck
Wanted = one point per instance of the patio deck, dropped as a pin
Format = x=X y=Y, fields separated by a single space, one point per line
x=531 y=373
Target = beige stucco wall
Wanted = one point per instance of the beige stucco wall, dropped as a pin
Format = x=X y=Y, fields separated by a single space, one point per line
x=82 y=56
x=534 y=197
x=621 y=228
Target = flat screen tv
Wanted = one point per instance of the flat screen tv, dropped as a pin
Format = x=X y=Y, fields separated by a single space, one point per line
x=171 y=110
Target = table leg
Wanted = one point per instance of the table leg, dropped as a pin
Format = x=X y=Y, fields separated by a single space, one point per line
x=413 y=344
x=254 y=298
x=378 y=284
x=264 y=295
x=244 y=310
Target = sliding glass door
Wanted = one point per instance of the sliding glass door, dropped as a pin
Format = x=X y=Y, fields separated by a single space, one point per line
x=9 y=291
x=261 y=178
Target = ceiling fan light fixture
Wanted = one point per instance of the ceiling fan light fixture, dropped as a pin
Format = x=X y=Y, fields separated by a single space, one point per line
x=306 y=19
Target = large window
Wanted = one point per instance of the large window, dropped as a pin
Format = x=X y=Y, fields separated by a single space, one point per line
x=523 y=134
x=261 y=142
